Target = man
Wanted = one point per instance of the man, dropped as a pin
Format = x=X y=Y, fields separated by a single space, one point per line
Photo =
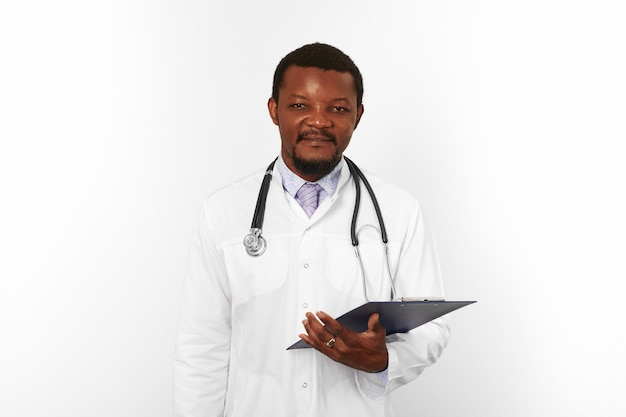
x=240 y=313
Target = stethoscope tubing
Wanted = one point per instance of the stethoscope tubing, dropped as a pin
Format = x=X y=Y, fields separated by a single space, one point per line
x=357 y=174
x=256 y=227
x=255 y=244
x=259 y=211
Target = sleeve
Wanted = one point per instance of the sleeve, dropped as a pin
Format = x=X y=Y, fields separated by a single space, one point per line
x=204 y=332
x=417 y=274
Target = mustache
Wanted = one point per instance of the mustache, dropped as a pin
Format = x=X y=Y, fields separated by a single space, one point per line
x=316 y=134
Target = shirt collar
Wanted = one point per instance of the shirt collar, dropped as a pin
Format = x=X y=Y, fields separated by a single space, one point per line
x=292 y=182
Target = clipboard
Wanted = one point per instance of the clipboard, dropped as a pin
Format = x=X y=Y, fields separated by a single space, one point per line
x=395 y=316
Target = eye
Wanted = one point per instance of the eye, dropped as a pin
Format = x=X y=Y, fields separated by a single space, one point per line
x=339 y=109
x=297 y=106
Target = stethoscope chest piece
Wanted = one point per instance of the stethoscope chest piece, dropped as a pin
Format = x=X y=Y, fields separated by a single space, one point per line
x=254 y=243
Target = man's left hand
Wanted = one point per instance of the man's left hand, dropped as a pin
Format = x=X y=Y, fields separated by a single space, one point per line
x=365 y=351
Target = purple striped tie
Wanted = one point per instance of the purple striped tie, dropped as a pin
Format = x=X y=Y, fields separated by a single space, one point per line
x=308 y=195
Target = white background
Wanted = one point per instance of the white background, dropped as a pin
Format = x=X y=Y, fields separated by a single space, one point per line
x=506 y=119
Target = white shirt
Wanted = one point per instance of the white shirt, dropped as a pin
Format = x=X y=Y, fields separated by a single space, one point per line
x=292 y=182
x=240 y=313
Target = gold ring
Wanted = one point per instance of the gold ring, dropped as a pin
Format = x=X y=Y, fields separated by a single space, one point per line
x=331 y=342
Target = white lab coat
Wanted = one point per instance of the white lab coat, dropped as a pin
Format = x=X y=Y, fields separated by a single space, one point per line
x=240 y=313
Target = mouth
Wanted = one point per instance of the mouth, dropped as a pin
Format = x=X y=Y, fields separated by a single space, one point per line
x=317 y=137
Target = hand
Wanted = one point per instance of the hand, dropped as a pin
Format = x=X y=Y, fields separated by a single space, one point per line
x=365 y=351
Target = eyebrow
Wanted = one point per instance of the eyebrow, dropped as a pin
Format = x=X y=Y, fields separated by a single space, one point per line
x=297 y=96
x=338 y=99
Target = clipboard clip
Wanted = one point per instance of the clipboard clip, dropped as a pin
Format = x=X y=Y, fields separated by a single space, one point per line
x=424 y=299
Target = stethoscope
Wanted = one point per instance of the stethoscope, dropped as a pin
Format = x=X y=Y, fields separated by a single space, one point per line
x=256 y=244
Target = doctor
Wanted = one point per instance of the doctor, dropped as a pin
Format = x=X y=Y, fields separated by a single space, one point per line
x=239 y=313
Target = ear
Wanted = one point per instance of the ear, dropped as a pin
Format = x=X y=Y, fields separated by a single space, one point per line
x=359 y=113
x=272 y=107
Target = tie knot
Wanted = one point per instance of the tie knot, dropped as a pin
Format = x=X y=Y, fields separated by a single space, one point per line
x=308 y=196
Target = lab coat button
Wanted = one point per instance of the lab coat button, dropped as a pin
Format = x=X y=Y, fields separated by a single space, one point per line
x=305 y=305
x=306 y=265
x=304 y=385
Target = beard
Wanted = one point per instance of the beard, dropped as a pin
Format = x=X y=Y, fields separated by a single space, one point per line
x=316 y=167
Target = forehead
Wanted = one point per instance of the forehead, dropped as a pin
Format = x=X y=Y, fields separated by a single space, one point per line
x=314 y=82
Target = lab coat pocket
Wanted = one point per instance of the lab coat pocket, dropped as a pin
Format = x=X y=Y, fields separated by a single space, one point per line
x=366 y=274
x=251 y=276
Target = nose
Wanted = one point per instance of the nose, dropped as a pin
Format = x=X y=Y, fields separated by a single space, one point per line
x=318 y=118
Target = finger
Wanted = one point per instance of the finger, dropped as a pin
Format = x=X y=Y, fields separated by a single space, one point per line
x=316 y=339
x=307 y=339
x=310 y=338
x=332 y=325
x=373 y=323
x=314 y=328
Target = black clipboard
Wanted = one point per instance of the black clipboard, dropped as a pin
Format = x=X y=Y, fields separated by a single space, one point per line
x=395 y=316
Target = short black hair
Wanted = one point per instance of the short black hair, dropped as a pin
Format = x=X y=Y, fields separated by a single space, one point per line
x=319 y=55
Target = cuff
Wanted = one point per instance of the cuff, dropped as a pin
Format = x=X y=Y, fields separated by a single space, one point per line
x=373 y=385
